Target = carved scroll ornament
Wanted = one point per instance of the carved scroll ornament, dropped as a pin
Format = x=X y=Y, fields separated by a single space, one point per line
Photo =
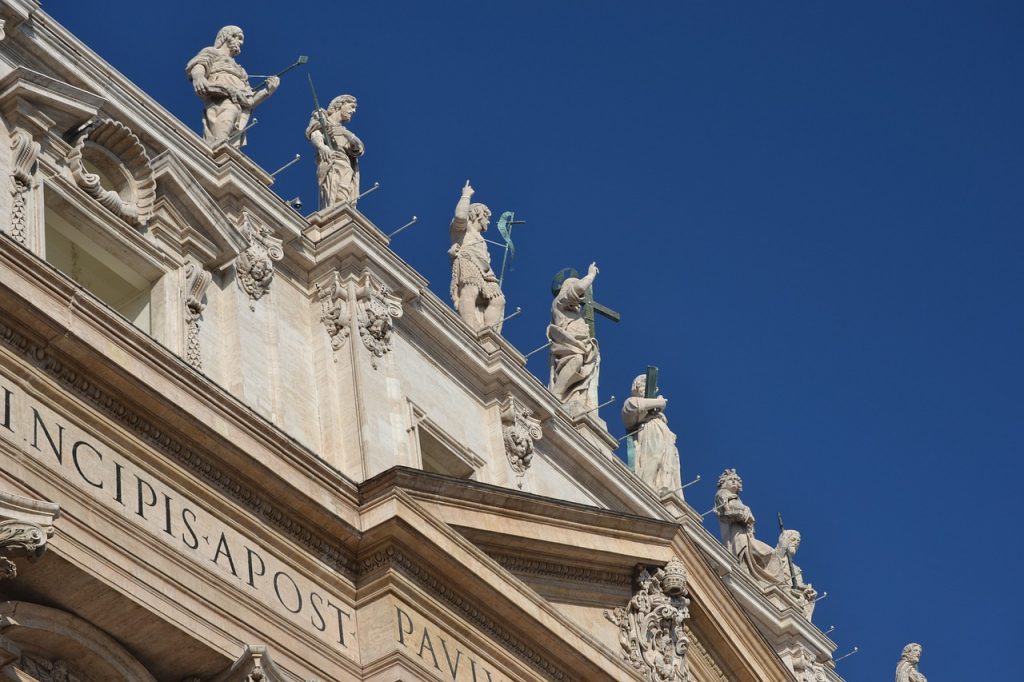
x=334 y=311
x=196 y=282
x=651 y=632
x=377 y=308
x=110 y=145
x=24 y=152
x=22 y=539
x=519 y=430
x=255 y=265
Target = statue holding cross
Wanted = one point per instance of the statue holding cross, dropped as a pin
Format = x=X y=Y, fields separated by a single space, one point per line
x=574 y=357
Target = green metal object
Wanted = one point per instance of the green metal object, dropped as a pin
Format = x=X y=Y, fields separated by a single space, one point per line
x=590 y=306
x=505 y=223
x=651 y=383
x=321 y=119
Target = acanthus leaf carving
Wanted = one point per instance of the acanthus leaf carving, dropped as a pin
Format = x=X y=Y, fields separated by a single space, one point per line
x=24 y=152
x=519 y=430
x=334 y=309
x=197 y=280
x=255 y=265
x=651 y=626
x=23 y=539
x=377 y=308
x=110 y=143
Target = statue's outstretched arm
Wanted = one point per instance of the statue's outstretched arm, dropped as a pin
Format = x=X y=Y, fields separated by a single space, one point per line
x=461 y=219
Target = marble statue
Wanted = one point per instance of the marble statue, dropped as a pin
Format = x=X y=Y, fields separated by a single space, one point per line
x=783 y=572
x=574 y=355
x=475 y=290
x=770 y=565
x=657 y=459
x=906 y=669
x=337 y=152
x=224 y=87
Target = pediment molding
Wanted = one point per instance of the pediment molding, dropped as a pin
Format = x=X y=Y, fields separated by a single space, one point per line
x=41 y=103
x=196 y=224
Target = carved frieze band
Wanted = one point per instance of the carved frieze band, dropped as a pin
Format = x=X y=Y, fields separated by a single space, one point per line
x=196 y=282
x=579 y=574
x=24 y=152
x=76 y=382
x=395 y=559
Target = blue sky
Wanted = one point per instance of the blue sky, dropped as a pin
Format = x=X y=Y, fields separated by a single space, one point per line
x=808 y=214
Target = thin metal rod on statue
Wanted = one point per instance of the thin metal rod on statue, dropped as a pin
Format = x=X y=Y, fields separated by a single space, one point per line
x=287 y=165
x=495 y=326
x=537 y=350
x=820 y=597
x=321 y=117
x=238 y=133
x=408 y=224
x=375 y=187
x=595 y=409
x=855 y=650
x=696 y=480
x=830 y=629
x=713 y=509
x=298 y=62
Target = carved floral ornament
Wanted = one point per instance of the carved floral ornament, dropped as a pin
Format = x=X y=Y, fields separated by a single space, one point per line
x=109 y=163
x=196 y=282
x=255 y=265
x=375 y=309
x=519 y=429
x=24 y=152
x=651 y=626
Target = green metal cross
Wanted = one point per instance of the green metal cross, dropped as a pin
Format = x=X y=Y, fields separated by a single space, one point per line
x=590 y=306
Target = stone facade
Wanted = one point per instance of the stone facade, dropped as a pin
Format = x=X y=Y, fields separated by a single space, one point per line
x=255 y=446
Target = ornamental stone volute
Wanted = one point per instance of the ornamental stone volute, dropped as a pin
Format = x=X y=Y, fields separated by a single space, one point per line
x=26 y=525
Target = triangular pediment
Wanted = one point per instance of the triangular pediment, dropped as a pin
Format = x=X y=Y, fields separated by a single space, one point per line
x=192 y=219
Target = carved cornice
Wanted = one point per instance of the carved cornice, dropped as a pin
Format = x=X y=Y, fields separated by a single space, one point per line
x=520 y=565
x=393 y=558
x=77 y=383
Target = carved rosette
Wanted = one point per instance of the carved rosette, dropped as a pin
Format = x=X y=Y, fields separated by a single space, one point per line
x=651 y=627
x=24 y=152
x=255 y=265
x=21 y=539
x=334 y=313
x=519 y=430
x=196 y=282
x=110 y=145
x=377 y=308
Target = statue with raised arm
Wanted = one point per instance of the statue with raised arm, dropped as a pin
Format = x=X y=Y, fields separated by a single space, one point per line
x=475 y=291
x=224 y=87
x=906 y=669
x=574 y=355
x=657 y=459
x=337 y=152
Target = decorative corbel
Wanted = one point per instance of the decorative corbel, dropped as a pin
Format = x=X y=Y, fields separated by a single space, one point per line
x=254 y=665
x=25 y=527
x=197 y=280
x=334 y=309
x=519 y=429
x=24 y=152
x=377 y=308
x=651 y=631
x=255 y=265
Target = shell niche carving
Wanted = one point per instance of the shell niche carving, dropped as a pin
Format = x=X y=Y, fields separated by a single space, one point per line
x=109 y=163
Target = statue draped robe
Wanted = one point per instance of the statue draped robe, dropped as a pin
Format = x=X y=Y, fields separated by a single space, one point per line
x=657 y=459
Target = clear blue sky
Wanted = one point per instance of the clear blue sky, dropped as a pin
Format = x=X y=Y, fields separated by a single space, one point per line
x=808 y=214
